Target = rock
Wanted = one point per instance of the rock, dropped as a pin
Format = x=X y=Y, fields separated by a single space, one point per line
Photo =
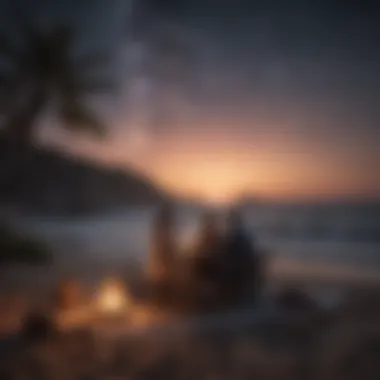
x=305 y=318
x=35 y=351
x=38 y=327
x=295 y=300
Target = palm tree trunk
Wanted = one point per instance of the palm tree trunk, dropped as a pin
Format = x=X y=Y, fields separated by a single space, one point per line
x=20 y=127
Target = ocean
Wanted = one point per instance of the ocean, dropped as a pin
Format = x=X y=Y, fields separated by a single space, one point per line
x=325 y=241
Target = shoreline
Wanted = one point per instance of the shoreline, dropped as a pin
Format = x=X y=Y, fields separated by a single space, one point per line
x=40 y=281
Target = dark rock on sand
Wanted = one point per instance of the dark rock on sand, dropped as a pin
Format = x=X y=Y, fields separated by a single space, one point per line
x=38 y=327
x=295 y=300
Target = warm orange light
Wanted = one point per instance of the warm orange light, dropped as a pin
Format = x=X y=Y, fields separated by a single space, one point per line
x=216 y=182
x=112 y=297
x=206 y=159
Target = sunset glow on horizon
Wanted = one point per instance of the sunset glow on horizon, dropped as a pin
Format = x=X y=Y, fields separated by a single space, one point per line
x=222 y=181
x=220 y=170
x=273 y=101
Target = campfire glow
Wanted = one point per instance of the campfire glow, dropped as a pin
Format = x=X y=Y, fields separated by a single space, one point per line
x=112 y=297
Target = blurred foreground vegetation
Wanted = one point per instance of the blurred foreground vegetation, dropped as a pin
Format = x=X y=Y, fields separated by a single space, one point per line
x=17 y=247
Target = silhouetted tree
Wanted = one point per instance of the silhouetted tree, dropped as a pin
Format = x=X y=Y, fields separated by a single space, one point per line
x=42 y=70
x=16 y=247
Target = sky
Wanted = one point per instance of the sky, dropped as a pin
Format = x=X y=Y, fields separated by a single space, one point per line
x=220 y=98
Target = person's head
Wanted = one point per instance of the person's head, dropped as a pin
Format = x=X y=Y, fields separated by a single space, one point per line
x=165 y=214
x=209 y=222
x=234 y=218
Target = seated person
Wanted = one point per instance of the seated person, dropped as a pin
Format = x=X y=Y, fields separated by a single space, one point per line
x=241 y=267
x=161 y=265
x=207 y=251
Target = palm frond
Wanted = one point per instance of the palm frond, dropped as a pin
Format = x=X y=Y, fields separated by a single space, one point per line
x=43 y=62
x=78 y=117
x=97 y=86
x=92 y=61
x=61 y=41
x=83 y=87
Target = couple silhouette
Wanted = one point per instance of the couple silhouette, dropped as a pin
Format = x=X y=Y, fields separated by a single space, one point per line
x=225 y=262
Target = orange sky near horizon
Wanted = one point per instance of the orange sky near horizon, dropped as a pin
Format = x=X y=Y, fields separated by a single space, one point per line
x=222 y=177
x=270 y=101
x=251 y=114
x=219 y=165
x=217 y=170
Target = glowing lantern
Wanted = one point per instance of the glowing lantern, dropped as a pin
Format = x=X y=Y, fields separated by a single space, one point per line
x=112 y=297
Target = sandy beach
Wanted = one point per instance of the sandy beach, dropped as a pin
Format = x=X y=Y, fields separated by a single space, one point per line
x=263 y=342
x=245 y=344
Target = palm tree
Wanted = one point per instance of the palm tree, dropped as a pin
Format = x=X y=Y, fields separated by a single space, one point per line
x=42 y=71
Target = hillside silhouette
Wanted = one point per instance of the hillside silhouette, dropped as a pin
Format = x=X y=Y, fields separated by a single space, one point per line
x=45 y=181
